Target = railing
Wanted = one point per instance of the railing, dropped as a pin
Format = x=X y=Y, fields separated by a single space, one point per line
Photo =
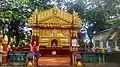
x=17 y=56
x=92 y=57
x=113 y=57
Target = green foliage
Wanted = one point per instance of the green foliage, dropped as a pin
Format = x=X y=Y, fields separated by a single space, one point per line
x=98 y=13
x=113 y=22
x=16 y=3
x=16 y=12
x=81 y=43
x=95 y=12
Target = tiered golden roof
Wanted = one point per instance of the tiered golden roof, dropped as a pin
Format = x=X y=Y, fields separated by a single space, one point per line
x=54 y=14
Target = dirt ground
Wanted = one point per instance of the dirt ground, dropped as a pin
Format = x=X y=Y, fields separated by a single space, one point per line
x=65 y=62
x=54 y=61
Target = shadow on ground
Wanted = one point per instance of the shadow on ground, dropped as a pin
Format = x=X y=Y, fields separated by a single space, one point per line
x=102 y=65
x=85 y=65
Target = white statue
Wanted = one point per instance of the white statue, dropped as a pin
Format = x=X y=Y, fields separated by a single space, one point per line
x=109 y=49
x=54 y=44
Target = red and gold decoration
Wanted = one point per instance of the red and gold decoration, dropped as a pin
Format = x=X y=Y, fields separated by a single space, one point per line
x=35 y=43
x=5 y=50
x=55 y=30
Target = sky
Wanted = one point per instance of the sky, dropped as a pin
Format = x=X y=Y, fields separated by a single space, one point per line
x=63 y=5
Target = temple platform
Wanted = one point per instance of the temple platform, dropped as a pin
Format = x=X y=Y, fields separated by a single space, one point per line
x=54 y=52
x=54 y=61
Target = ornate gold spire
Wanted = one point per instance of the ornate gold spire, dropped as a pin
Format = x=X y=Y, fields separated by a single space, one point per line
x=6 y=38
x=74 y=13
x=33 y=18
x=9 y=46
x=55 y=6
x=13 y=45
x=36 y=13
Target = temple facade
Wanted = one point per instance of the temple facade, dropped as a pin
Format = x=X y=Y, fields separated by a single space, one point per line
x=55 y=30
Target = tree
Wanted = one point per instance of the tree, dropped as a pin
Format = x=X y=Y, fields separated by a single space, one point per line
x=39 y=4
x=15 y=14
x=102 y=11
x=96 y=13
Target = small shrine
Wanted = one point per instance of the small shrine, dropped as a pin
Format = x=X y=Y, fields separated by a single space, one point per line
x=55 y=33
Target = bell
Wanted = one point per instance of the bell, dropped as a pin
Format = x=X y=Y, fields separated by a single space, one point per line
x=79 y=64
x=13 y=45
x=9 y=46
x=30 y=64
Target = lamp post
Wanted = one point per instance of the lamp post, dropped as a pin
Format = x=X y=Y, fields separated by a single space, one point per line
x=5 y=50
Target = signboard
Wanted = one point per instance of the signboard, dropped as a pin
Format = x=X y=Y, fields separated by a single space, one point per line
x=53 y=52
x=74 y=42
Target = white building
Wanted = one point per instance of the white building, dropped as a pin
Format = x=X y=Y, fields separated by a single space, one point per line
x=108 y=38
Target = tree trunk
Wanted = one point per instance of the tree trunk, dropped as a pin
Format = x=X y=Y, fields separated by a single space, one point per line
x=17 y=36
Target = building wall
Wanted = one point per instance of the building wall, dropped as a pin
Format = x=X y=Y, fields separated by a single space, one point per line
x=99 y=37
x=108 y=43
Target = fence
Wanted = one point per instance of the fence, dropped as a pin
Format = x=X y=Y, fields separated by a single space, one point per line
x=112 y=57
x=17 y=56
x=100 y=57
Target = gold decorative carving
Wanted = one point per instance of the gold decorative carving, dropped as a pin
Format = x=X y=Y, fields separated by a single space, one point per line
x=53 y=15
x=46 y=35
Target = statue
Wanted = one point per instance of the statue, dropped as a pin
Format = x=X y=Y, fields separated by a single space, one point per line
x=109 y=49
x=54 y=44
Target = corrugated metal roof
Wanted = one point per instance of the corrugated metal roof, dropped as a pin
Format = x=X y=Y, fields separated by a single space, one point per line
x=107 y=30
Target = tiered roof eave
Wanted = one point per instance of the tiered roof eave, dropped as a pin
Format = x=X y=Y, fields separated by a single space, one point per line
x=39 y=17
